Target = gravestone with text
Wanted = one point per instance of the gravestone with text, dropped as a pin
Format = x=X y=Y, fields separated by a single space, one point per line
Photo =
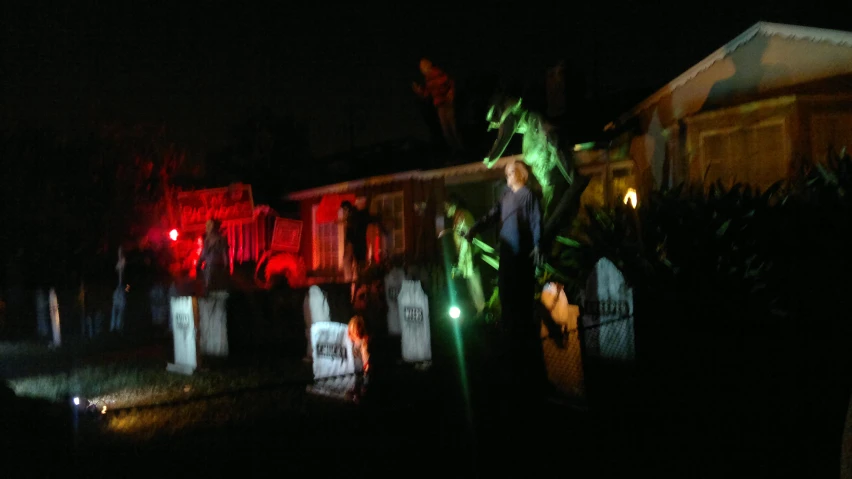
x=54 y=318
x=608 y=314
x=184 y=333
x=393 y=283
x=213 y=319
x=315 y=310
x=332 y=350
x=416 y=336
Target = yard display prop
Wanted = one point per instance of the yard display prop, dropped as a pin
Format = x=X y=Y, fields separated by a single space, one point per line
x=563 y=359
x=608 y=314
x=54 y=318
x=42 y=314
x=393 y=283
x=414 y=322
x=183 y=319
x=213 y=315
x=332 y=350
x=315 y=310
x=561 y=185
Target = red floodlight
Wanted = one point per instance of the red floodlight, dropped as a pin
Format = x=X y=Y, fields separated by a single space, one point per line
x=173 y=234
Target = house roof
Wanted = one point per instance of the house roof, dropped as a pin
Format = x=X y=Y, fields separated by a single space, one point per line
x=811 y=34
x=453 y=174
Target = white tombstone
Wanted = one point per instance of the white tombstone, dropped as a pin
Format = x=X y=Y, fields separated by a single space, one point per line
x=54 y=318
x=338 y=387
x=608 y=314
x=213 y=321
x=332 y=350
x=315 y=310
x=183 y=321
x=393 y=283
x=414 y=322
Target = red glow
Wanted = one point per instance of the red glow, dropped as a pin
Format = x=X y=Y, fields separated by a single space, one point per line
x=173 y=234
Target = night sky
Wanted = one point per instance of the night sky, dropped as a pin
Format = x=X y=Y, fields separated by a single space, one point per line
x=199 y=69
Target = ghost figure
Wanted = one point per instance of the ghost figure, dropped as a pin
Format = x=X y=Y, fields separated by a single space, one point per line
x=553 y=170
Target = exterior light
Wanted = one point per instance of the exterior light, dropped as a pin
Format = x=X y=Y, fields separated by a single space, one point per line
x=631 y=197
x=455 y=312
x=173 y=234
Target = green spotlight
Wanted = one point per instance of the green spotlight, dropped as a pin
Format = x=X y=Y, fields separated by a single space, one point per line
x=455 y=312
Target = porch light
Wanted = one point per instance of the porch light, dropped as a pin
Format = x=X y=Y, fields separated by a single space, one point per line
x=631 y=197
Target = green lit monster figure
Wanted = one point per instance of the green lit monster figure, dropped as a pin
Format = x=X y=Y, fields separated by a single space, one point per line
x=561 y=185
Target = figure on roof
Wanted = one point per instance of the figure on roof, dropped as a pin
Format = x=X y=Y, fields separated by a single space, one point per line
x=440 y=87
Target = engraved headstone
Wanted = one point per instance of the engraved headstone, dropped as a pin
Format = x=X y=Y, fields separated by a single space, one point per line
x=608 y=314
x=213 y=319
x=332 y=350
x=183 y=321
x=315 y=310
x=54 y=318
x=414 y=322
x=393 y=283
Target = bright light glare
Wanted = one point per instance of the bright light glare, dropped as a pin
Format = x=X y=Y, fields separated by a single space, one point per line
x=173 y=234
x=630 y=197
x=455 y=312
x=76 y=401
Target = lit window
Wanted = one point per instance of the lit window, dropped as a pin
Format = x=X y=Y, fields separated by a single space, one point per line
x=326 y=244
x=830 y=131
x=755 y=155
x=622 y=180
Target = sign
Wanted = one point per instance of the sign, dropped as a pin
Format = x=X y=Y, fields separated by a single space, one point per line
x=414 y=322
x=393 y=283
x=413 y=314
x=184 y=335
x=332 y=350
x=608 y=314
x=232 y=204
x=287 y=235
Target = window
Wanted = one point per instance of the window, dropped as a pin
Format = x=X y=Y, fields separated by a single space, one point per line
x=720 y=151
x=389 y=207
x=328 y=244
x=830 y=131
x=622 y=180
x=765 y=160
x=756 y=154
x=593 y=195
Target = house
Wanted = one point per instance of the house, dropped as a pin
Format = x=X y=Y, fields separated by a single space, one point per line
x=411 y=204
x=756 y=110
